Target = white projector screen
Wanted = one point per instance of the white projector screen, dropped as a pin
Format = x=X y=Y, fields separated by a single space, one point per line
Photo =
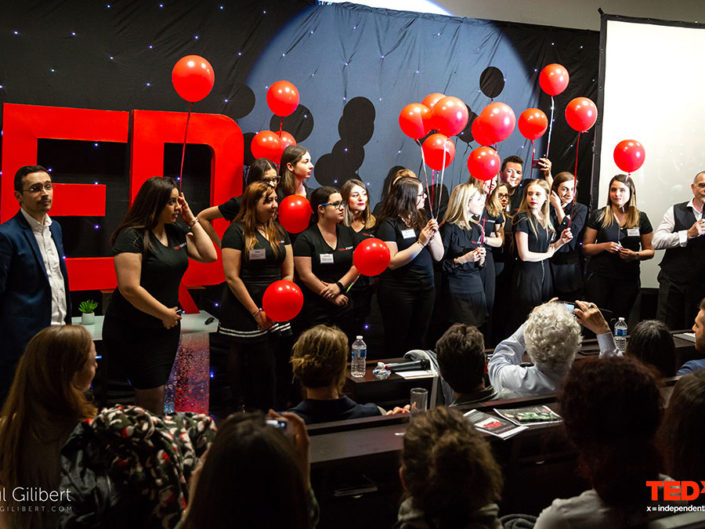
x=654 y=92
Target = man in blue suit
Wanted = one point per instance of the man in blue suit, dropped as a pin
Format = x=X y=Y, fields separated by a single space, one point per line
x=34 y=289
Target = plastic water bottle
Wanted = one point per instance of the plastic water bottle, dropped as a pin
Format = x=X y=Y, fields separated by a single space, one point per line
x=620 y=334
x=359 y=358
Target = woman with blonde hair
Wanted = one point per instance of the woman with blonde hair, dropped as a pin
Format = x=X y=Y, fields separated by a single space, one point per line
x=535 y=241
x=45 y=403
x=319 y=361
x=617 y=237
x=256 y=252
x=462 y=290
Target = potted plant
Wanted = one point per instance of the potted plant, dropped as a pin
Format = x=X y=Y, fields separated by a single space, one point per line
x=87 y=309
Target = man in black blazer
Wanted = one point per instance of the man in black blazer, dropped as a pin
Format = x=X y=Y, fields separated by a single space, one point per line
x=34 y=289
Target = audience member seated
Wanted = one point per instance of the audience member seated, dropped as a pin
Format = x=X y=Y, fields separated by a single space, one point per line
x=611 y=409
x=462 y=361
x=45 y=403
x=449 y=475
x=551 y=337
x=652 y=343
x=319 y=360
x=683 y=430
x=699 y=331
x=255 y=475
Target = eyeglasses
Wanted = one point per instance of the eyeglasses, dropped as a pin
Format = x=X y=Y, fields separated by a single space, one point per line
x=338 y=204
x=36 y=188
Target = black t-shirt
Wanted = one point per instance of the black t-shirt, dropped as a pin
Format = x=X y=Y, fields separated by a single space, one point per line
x=457 y=242
x=231 y=208
x=419 y=272
x=162 y=270
x=327 y=264
x=489 y=224
x=260 y=265
x=630 y=238
x=539 y=237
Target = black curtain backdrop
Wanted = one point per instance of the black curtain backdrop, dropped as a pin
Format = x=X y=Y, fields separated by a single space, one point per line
x=355 y=68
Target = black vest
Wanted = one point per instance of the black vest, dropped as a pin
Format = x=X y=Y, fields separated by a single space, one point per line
x=684 y=264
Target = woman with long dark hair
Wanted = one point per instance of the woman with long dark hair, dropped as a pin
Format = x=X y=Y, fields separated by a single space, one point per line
x=256 y=252
x=536 y=242
x=295 y=169
x=261 y=170
x=141 y=328
x=323 y=256
x=46 y=401
x=617 y=237
x=406 y=289
x=566 y=263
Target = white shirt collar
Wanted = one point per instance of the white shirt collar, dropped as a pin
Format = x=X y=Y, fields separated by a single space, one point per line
x=34 y=223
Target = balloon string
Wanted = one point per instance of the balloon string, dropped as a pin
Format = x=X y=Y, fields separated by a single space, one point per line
x=433 y=188
x=183 y=148
x=533 y=153
x=550 y=127
x=425 y=174
x=440 y=187
x=575 y=178
x=281 y=126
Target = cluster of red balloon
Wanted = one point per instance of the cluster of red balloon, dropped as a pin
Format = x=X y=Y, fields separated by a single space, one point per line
x=495 y=123
x=282 y=99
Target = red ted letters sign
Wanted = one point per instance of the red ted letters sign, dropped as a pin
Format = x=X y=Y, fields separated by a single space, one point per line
x=147 y=132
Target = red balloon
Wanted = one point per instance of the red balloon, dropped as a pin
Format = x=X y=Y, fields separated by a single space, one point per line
x=413 y=120
x=371 y=257
x=484 y=163
x=629 y=155
x=192 y=77
x=581 y=114
x=533 y=123
x=449 y=116
x=285 y=139
x=266 y=144
x=554 y=79
x=480 y=133
x=438 y=151
x=282 y=300
x=282 y=98
x=295 y=213
x=499 y=121
x=431 y=99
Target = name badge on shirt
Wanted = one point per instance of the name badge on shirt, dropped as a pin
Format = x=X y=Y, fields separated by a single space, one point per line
x=258 y=254
x=326 y=258
x=408 y=233
x=633 y=232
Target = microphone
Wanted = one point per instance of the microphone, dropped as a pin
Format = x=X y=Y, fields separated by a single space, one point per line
x=410 y=366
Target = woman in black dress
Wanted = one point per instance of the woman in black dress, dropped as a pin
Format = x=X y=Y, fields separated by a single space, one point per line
x=323 y=257
x=617 y=237
x=406 y=289
x=141 y=328
x=256 y=253
x=567 y=263
x=462 y=291
x=357 y=215
x=535 y=241
x=260 y=170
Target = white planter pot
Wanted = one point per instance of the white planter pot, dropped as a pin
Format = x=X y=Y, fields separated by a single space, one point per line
x=88 y=318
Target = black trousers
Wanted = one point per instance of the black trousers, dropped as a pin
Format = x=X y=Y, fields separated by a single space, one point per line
x=678 y=304
x=406 y=314
x=614 y=293
x=251 y=372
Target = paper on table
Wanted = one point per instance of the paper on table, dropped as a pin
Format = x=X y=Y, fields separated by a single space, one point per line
x=420 y=373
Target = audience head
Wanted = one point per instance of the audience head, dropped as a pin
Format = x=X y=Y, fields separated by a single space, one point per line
x=512 y=168
x=357 y=202
x=461 y=357
x=327 y=204
x=319 y=357
x=465 y=200
x=552 y=337
x=405 y=200
x=683 y=429
x=611 y=409
x=651 y=342
x=262 y=170
x=699 y=328
x=448 y=468
x=33 y=190
x=564 y=186
x=252 y=477
x=295 y=165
